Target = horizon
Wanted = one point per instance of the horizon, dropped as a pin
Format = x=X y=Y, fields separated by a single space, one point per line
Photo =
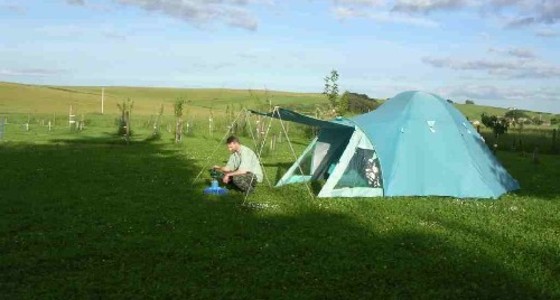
x=505 y=57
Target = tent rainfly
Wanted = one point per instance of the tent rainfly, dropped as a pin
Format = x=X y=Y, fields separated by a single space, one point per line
x=415 y=144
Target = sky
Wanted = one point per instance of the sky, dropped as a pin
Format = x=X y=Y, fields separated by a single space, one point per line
x=501 y=53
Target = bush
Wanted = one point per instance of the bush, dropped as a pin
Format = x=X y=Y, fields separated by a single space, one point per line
x=360 y=103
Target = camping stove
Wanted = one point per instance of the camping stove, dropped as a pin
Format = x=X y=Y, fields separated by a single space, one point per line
x=214 y=188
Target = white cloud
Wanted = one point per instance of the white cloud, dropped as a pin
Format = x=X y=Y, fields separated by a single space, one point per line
x=30 y=72
x=521 y=68
x=343 y=13
x=76 y=2
x=198 y=13
x=14 y=8
x=426 y=6
x=523 y=53
x=514 y=13
x=547 y=33
x=371 y=3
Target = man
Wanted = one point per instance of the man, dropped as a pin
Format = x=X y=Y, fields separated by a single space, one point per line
x=243 y=168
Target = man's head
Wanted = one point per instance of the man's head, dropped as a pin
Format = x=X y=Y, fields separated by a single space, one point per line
x=233 y=144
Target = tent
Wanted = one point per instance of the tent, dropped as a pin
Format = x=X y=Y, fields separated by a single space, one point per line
x=415 y=144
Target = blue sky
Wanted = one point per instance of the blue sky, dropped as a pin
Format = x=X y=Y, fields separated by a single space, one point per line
x=495 y=52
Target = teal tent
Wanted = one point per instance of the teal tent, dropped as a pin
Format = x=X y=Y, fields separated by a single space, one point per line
x=415 y=144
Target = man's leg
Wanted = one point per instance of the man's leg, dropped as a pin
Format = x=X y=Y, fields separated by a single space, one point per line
x=245 y=182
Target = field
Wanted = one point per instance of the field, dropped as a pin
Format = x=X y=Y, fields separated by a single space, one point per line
x=86 y=215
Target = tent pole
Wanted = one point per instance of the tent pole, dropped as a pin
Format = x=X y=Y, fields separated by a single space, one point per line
x=216 y=148
x=292 y=149
x=259 y=158
x=259 y=155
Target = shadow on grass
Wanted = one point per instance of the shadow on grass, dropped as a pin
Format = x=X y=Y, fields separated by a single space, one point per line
x=90 y=218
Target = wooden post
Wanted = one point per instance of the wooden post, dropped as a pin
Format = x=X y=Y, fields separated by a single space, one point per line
x=50 y=125
x=102 y=99
x=71 y=121
x=210 y=126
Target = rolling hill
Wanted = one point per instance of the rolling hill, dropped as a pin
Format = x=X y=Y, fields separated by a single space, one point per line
x=18 y=98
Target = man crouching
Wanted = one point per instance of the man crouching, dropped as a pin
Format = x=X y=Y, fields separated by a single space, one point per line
x=243 y=168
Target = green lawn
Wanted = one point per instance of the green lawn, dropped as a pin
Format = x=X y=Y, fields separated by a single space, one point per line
x=85 y=216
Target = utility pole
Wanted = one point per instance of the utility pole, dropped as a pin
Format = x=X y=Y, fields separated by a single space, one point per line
x=102 y=98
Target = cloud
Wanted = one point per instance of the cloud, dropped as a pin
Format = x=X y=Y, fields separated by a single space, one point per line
x=343 y=13
x=510 y=69
x=114 y=36
x=198 y=13
x=61 y=30
x=15 y=8
x=523 y=53
x=370 y=3
x=514 y=13
x=76 y=2
x=30 y=72
x=547 y=33
x=427 y=6
x=529 y=12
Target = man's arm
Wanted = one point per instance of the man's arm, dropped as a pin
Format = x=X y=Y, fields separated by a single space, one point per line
x=235 y=173
x=223 y=169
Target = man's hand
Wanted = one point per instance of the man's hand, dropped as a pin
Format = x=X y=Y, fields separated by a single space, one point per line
x=217 y=168
x=226 y=179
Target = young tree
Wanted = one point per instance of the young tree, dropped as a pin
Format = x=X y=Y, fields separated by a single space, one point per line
x=124 y=123
x=157 y=124
x=179 y=106
x=331 y=90
x=499 y=125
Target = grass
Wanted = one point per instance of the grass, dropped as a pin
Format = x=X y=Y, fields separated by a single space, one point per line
x=37 y=99
x=86 y=216
x=40 y=99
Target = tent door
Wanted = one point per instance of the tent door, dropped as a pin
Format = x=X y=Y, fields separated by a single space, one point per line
x=357 y=173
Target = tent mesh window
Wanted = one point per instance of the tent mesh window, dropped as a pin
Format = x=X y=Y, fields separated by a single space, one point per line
x=362 y=171
x=306 y=163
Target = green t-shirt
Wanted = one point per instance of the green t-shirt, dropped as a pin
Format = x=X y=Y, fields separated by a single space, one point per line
x=245 y=160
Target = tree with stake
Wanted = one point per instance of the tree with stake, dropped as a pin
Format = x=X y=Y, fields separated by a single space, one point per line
x=179 y=105
x=338 y=106
x=157 y=124
x=124 y=122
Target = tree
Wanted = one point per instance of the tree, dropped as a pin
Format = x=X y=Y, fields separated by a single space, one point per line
x=124 y=122
x=359 y=103
x=331 y=90
x=499 y=125
x=179 y=105
x=516 y=114
x=468 y=101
